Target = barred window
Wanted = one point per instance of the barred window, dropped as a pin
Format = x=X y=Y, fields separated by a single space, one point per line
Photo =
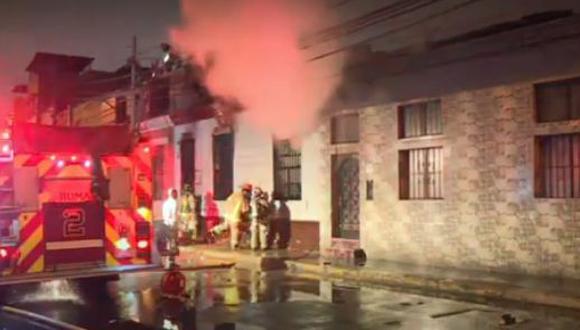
x=558 y=166
x=420 y=119
x=157 y=164
x=287 y=171
x=421 y=173
x=344 y=128
x=558 y=101
x=223 y=165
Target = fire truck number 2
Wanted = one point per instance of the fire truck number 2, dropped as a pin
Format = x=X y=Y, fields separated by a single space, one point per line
x=74 y=223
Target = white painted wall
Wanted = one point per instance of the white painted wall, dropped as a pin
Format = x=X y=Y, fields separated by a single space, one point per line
x=253 y=163
x=253 y=159
x=202 y=133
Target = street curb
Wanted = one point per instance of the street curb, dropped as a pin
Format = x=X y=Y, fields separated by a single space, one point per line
x=244 y=260
x=462 y=287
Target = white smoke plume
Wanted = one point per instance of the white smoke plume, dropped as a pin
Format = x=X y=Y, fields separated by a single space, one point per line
x=258 y=59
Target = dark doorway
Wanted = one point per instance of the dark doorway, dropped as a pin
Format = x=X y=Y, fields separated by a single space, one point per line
x=187 y=152
x=158 y=168
x=223 y=165
x=345 y=196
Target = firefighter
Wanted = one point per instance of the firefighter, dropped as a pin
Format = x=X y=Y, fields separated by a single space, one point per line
x=187 y=215
x=237 y=214
x=260 y=220
x=280 y=223
x=169 y=223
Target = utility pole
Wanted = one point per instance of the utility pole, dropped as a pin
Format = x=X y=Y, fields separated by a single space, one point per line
x=134 y=93
x=134 y=62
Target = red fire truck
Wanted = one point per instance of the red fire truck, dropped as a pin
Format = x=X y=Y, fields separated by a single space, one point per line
x=73 y=197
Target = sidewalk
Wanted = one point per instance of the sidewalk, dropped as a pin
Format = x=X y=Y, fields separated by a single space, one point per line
x=244 y=258
x=471 y=285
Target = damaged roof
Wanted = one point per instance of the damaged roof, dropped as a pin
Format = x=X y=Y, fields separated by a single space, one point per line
x=44 y=61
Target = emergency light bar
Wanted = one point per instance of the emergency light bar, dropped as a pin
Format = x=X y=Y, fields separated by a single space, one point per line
x=63 y=161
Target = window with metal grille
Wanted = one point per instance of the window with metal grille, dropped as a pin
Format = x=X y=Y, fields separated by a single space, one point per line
x=223 y=165
x=157 y=164
x=421 y=173
x=558 y=101
x=344 y=128
x=420 y=119
x=287 y=171
x=558 y=166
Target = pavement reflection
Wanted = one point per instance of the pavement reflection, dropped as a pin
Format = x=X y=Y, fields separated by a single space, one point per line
x=239 y=299
x=96 y=305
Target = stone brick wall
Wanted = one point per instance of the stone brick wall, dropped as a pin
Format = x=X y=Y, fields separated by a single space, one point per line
x=489 y=218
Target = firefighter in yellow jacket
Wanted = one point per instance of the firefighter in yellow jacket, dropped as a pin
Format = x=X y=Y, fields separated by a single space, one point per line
x=187 y=215
x=236 y=215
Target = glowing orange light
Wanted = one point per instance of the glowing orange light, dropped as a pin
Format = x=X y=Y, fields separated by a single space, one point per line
x=6 y=135
x=143 y=244
x=73 y=158
x=53 y=157
x=146 y=150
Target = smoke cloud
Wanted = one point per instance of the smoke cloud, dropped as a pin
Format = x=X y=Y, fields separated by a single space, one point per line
x=257 y=58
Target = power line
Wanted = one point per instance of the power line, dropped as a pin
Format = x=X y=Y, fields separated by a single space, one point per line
x=173 y=87
x=105 y=80
x=341 y=3
x=392 y=31
x=370 y=19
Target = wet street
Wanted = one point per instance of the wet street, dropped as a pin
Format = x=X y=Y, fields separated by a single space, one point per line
x=253 y=301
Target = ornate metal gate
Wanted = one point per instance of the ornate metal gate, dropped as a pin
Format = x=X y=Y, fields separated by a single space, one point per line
x=345 y=196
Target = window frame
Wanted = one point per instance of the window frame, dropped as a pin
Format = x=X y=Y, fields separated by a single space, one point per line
x=285 y=194
x=540 y=184
x=333 y=133
x=563 y=82
x=401 y=118
x=405 y=175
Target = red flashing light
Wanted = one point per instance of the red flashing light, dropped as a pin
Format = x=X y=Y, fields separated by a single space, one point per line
x=88 y=163
x=146 y=150
x=60 y=163
x=73 y=158
x=6 y=135
x=3 y=253
x=53 y=157
x=142 y=244
x=6 y=148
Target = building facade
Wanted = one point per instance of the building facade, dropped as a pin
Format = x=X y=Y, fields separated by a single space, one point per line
x=466 y=159
x=227 y=157
x=462 y=155
x=462 y=152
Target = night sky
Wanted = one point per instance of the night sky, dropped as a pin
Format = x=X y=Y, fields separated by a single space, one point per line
x=95 y=28
x=103 y=28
